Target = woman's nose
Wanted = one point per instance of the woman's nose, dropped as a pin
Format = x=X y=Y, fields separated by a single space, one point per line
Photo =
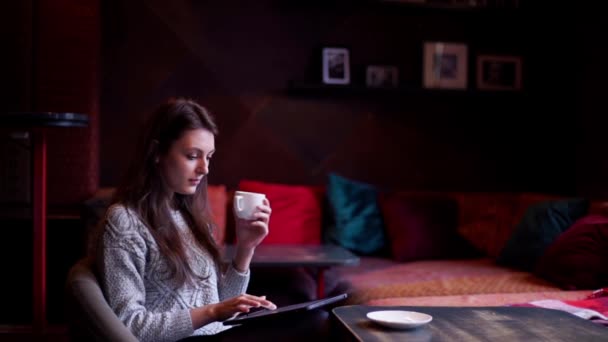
x=203 y=168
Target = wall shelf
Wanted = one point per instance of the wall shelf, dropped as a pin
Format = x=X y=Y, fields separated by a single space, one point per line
x=318 y=89
x=479 y=5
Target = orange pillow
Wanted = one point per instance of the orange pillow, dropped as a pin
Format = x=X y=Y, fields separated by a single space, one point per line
x=296 y=211
x=218 y=198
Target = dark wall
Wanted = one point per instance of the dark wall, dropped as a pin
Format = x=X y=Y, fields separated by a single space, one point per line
x=238 y=57
x=50 y=63
x=589 y=61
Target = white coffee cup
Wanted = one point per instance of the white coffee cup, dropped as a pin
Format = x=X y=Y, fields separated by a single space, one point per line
x=245 y=203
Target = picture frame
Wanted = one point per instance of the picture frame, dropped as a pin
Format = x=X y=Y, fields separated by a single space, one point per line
x=336 y=65
x=445 y=65
x=382 y=76
x=499 y=72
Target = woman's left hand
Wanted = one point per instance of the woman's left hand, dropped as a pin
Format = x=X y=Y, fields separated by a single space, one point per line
x=250 y=233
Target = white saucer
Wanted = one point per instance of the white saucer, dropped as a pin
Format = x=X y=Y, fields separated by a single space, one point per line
x=399 y=319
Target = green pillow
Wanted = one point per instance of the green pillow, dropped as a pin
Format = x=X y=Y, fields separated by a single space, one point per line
x=357 y=219
x=541 y=225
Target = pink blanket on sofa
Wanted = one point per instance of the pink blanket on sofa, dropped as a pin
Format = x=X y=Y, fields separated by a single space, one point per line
x=378 y=278
x=593 y=308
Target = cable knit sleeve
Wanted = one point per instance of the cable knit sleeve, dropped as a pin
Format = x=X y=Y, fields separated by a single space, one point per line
x=121 y=262
x=232 y=283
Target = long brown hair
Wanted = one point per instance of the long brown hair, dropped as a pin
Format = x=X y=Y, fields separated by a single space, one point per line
x=145 y=191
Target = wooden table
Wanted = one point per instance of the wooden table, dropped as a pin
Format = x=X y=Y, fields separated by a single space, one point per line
x=318 y=257
x=472 y=324
x=37 y=123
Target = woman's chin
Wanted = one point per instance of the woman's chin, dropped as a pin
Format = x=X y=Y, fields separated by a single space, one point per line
x=188 y=191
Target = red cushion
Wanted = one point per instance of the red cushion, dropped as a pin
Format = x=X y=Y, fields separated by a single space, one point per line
x=578 y=258
x=422 y=227
x=218 y=199
x=296 y=211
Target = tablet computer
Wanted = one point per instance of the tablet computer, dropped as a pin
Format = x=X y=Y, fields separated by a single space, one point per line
x=264 y=313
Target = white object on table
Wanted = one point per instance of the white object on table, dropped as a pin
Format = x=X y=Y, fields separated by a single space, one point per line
x=399 y=319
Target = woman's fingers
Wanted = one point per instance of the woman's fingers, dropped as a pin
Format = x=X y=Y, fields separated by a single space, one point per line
x=264 y=209
x=256 y=301
x=260 y=224
x=266 y=303
x=250 y=299
x=261 y=216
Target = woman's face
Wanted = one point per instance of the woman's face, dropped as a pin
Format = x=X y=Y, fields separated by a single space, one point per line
x=187 y=161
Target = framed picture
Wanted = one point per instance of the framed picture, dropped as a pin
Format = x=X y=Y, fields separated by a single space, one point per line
x=445 y=65
x=336 y=65
x=498 y=72
x=382 y=76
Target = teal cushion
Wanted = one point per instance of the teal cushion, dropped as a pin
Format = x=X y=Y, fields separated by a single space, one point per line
x=357 y=219
x=541 y=225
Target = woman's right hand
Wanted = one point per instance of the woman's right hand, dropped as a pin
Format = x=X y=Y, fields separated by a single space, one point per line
x=227 y=309
x=243 y=303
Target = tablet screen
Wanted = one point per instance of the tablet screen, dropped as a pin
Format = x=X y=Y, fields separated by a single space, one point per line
x=265 y=313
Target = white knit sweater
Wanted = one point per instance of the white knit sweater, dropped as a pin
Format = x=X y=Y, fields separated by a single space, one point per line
x=135 y=280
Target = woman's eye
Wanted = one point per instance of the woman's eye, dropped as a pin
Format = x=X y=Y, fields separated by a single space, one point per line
x=192 y=157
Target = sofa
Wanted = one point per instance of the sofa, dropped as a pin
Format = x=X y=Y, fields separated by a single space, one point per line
x=425 y=247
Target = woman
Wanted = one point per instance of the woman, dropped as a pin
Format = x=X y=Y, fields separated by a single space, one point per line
x=158 y=264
